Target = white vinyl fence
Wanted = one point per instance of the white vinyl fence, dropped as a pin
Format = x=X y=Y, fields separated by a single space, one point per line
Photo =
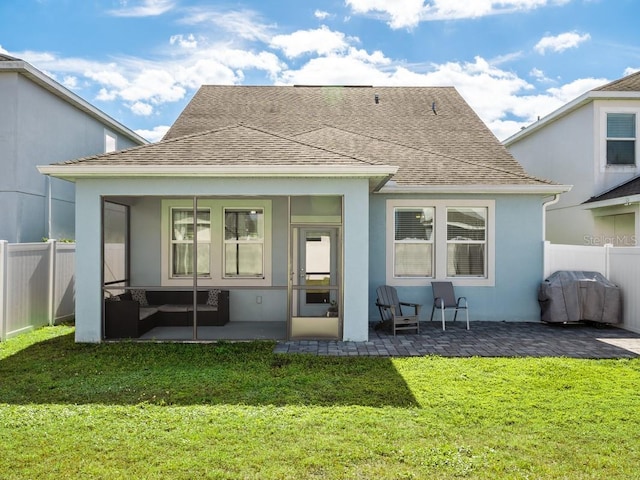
x=621 y=265
x=36 y=285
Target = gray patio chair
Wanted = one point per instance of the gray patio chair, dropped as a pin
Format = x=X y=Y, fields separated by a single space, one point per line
x=444 y=298
x=391 y=310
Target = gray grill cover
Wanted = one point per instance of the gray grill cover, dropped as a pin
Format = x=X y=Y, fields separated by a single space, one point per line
x=568 y=296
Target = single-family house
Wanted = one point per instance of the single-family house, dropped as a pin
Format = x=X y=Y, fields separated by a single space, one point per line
x=283 y=208
x=590 y=143
x=42 y=122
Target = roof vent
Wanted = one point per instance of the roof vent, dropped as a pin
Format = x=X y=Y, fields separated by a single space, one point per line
x=433 y=108
x=376 y=98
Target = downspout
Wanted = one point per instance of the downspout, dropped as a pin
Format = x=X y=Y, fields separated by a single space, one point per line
x=555 y=200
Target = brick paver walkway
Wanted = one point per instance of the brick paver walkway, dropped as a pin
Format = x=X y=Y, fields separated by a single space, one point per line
x=485 y=339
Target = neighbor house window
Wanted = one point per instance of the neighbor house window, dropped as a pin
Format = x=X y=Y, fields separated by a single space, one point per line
x=243 y=242
x=183 y=232
x=621 y=139
x=440 y=239
x=110 y=142
x=466 y=240
x=413 y=242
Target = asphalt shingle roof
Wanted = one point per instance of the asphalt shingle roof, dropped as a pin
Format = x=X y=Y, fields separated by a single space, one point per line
x=630 y=83
x=430 y=133
x=632 y=187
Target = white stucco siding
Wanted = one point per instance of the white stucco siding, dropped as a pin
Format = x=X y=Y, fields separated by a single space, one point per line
x=562 y=151
x=355 y=193
x=39 y=128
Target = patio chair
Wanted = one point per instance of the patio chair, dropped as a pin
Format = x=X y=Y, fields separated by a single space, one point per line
x=391 y=310
x=444 y=298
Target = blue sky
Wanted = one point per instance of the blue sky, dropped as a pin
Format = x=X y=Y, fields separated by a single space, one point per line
x=141 y=61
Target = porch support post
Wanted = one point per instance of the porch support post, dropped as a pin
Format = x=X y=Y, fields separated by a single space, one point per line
x=195 y=268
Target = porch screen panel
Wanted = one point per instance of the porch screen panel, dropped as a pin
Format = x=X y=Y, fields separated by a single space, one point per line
x=243 y=242
x=413 y=242
x=466 y=241
x=115 y=235
x=182 y=242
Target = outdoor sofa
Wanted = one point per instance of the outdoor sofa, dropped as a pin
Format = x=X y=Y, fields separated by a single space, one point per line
x=136 y=311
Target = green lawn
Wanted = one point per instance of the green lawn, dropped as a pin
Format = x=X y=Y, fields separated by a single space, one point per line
x=197 y=411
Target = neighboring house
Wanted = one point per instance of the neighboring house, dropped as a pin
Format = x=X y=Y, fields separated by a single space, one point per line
x=42 y=122
x=308 y=196
x=592 y=144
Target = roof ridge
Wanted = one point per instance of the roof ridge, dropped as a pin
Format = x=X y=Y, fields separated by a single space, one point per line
x=451 y=157
x=307 y=144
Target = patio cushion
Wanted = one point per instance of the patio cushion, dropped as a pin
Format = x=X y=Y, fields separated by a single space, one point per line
x=212 y=297
x=173 y=308
x=146 y=312
x=204 y=308
x=140 y=296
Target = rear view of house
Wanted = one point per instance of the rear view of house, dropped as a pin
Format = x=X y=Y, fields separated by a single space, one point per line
x=282 y=209
x=42 y=122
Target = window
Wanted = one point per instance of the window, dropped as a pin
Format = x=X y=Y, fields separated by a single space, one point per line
x=621 y=138
x=182 y=236
x=234 y=242
x=440 y=239
x=413 y=242
x=110 y=142
x=243 y=242
x=466 y=238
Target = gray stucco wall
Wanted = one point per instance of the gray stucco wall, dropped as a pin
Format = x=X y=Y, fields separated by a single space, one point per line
x=518 y=261
x=39 y=128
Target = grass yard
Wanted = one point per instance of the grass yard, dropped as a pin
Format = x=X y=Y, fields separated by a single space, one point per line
x=237 y=411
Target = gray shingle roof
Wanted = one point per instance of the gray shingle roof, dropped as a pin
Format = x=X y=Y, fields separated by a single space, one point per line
x=430 y=133
x=627 y=189
x=630 y=83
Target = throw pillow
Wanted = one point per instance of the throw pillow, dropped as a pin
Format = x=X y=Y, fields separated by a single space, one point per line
x=140 y=296
x=113 y=298
x=212 y=298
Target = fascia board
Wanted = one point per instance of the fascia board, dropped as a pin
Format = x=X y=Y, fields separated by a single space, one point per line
x=478 y=189
x=70 y=172
x=612 y=202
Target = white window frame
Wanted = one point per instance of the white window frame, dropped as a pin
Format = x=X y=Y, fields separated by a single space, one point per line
x=603 y=138
x=257 y=241
x=216 y=251
x=440 y=242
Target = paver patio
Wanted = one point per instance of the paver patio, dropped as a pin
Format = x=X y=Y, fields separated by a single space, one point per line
x=484 y=339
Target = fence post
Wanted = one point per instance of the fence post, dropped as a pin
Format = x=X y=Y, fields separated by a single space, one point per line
x=607 y=257
x=4 y=285
x=52 y=280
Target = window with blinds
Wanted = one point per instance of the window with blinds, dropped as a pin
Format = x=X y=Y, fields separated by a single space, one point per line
x=466 y=241
x=413 y=242
x=621 y=139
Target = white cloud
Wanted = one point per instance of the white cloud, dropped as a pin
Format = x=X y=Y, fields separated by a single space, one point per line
x=144 y=8
x=244 y=24
x=185 y=42
x=560 y=43
x=141 y=108
x=155 y=134
x=70 y=82
x=321 y=15
x=630 y=70
x=321 y=41
x=408 y=13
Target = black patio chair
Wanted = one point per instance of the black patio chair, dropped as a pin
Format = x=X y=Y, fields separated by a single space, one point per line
x=444 y=298
x=391 y=310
